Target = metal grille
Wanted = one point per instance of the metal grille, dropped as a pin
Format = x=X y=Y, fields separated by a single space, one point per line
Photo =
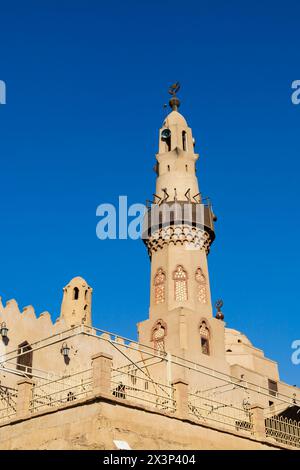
x=8 y=406
x=129 y=385
x=283 y=430
x=210 y=410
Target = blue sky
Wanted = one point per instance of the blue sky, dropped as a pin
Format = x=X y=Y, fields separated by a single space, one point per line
x=86 y=83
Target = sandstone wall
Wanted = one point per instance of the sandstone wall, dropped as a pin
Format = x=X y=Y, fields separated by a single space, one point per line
x=94 y=424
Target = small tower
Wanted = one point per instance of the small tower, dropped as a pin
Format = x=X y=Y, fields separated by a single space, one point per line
x=77 y=302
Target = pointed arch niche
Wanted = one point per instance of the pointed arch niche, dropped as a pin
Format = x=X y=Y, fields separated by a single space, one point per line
x=204 y=332
x=159 y=286
x=180 y=284
x=201 y=286
x=158 y=334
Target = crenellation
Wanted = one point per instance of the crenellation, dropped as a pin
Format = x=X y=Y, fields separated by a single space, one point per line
x=29 y=312
x=12 y=308
x=46 y=317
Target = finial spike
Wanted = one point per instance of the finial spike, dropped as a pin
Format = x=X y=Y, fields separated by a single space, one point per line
x=219 y=304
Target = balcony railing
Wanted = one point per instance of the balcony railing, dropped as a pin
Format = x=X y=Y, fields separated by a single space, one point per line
x=209 y=410
x=8 y=403
x=53 y=393
x=127 y=385
x=283 y=430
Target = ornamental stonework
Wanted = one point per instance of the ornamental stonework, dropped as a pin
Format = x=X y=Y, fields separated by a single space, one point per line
x=193 y=238
x=159 y=286
x=180 y=284
x=201 y=286
x=158 y=334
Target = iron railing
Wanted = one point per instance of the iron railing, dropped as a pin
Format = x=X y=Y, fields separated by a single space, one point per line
x=8 y=403
x=283 y=430
x=128 y=385
x=207 y=409
x=47 y=394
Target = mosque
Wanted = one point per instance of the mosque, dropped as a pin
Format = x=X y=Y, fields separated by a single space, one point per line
x=189 y=382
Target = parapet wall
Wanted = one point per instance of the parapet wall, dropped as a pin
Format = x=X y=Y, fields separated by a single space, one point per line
x=95 y=422
x=95 y=419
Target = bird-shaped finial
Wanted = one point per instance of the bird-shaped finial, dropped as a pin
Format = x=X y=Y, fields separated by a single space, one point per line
x=173 y=89
x=174 y=101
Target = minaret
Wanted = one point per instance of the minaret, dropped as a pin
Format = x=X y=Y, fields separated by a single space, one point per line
x=76 y=304
x=178 y=233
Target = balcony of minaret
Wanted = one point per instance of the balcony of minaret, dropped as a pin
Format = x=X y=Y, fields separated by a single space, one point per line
x=179 y=223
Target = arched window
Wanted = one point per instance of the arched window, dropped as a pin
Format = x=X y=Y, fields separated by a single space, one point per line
x=180 y=284
x=86 y=294
x=158 y=334
x=204 y=338
x=184 y=146
x=201 y=286
x=75 y=293
x=166 y=138
x=159 y=286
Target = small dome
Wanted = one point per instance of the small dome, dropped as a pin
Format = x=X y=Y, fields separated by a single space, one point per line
x=234 y=337
x=78 y=280
x=175 y=118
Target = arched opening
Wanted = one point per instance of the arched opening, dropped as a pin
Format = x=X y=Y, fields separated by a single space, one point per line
x=186 y=168
x=24 y=358
x=168 y=167
x=75 y=293
x=159 y=286
x=166 y=138
x=168 y=144
x=201 y=286
x=86 y=294
x=184 y=142
x=204 y=338
x=158 y=334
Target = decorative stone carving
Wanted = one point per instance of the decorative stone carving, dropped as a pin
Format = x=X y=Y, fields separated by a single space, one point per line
x=180 y=284
x=158 y=334
x=159 y=286
x=193 y=238
x=201 y=286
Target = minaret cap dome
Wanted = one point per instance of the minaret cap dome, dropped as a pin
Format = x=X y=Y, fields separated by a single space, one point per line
x=175 y=118
x=78 y=280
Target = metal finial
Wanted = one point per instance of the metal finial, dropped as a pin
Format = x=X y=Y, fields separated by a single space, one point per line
x=174 y=101
x=219 y=304
x=173 y=89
